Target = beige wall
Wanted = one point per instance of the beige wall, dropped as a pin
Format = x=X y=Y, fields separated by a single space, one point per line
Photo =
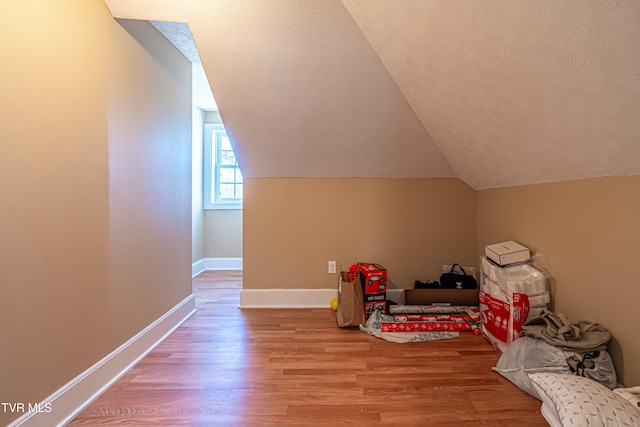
x=590 y=232
x=54 y=181
x=411 y=226
x=149 y=178
x=223 y=233
x=95 y=218
x=587 y=230
x=197 y=214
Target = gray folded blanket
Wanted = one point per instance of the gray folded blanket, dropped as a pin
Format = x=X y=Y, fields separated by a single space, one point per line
x=556 y=330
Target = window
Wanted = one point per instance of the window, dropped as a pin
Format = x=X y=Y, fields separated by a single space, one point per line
x=222 y=176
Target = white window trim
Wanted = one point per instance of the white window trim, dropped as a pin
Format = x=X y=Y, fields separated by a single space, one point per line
x=207 y=171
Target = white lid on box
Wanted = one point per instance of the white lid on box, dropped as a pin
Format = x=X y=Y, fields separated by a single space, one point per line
x=507 y=252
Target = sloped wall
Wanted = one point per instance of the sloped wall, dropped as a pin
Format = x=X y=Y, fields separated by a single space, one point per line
x=589 y=231
x=510 y=85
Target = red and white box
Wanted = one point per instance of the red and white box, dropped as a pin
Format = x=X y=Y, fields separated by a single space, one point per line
x=508 y=296
x=501 y=320
x=370 y=307
x=375 y=297
x=373 y=278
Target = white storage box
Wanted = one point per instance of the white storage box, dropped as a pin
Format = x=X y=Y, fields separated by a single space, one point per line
x=507 y=252
x=508 y=297
x=520 y=278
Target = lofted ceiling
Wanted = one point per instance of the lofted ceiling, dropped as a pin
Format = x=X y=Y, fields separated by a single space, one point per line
x=180 y=35
x=497 y=93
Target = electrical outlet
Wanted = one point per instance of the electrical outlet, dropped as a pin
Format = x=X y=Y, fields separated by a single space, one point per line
x=331 y=267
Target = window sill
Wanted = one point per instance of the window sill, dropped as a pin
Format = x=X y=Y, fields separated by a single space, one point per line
x=223 y=206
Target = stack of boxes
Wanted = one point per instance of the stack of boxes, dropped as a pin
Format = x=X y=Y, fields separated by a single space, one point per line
x=374 y=286
x=509 y=294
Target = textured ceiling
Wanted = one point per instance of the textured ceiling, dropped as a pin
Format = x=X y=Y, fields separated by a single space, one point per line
x=180 y=35
x=517 y=92
x=496 y=93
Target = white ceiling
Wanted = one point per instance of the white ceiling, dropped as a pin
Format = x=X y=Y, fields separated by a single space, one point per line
x=496 y=93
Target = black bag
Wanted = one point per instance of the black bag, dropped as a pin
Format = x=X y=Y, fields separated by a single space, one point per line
x=426 y=285
x=453 y=280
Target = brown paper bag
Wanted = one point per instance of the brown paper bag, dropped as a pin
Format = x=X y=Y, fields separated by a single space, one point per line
x=350 y=302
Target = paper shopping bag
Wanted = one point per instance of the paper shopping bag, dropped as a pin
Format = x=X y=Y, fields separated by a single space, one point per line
x=350 y=302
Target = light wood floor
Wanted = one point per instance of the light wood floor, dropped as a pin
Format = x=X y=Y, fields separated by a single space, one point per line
x=230 y=367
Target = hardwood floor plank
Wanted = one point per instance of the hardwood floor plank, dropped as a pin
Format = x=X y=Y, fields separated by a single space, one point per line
x=230 y=367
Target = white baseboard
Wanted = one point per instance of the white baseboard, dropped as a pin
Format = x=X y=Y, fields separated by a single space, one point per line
x=76 y=395
x=215 y=264
x=287 y=298
x=197 y=268
x=299 y=298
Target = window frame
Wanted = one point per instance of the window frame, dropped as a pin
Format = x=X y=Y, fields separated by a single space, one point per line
x=211 y=169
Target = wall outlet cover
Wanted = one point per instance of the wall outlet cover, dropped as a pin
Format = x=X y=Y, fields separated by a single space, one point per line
x=332 y=267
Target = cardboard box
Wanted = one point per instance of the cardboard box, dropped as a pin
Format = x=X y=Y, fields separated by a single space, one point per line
x=451 y=296
x=373 y=278
x=370 y=307
x=507 y=252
